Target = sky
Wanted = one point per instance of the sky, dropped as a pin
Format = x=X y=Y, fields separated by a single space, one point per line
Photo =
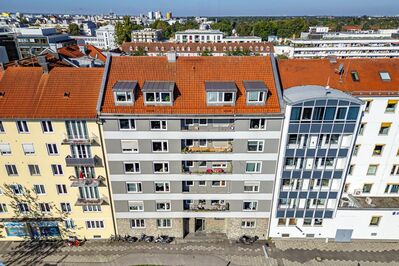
x=208 y=7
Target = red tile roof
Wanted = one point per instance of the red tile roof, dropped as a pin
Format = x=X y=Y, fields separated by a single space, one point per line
x=31 y=94
x=72 y=51
x=163 y=47
x=190 y=74
x=297 y=72
x=95 y=52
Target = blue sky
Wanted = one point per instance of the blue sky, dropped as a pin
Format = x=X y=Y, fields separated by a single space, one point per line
x=208 y=7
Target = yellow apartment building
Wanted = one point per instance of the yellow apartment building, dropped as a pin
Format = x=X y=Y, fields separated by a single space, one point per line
x=53 y=175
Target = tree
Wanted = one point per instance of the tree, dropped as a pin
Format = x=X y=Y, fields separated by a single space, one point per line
x=123 y=30
x=73 y=29
x=206 y=53
x=224 y=26
x=244 y=52
x=244 y=28
x=140 y=52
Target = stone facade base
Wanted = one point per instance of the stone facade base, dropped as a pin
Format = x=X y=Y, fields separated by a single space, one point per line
x=182 y=226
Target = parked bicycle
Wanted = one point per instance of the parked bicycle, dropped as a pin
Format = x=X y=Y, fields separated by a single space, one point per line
x=146 y=238
x=247 y=240
x=164 y=239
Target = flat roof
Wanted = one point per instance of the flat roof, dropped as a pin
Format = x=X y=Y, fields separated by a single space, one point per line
x=370 y=202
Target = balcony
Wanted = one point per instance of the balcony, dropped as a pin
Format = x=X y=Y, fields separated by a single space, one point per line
x=86 y=182
x=208 y=125
x=85 y=140
x=91 y=202
x=73 y=161
x=204 y=167
x=203 y=207
x=199 y=146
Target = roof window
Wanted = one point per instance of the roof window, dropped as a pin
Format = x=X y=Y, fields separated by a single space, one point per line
x=385 y=76
x=355 y=76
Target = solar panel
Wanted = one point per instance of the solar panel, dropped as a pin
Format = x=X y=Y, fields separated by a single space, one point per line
x=254 y=85
x=154 y=86
x=229 y=86
x=125 y=85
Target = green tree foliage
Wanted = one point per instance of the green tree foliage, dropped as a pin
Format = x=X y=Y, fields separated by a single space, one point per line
x=73 y=29
x=206 y=53
x=244 y=52
x=223 y=25
x=123 y=30
x=170 y=30
x=140 y=52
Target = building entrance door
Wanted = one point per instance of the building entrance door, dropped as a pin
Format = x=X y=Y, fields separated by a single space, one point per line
x=199 y=224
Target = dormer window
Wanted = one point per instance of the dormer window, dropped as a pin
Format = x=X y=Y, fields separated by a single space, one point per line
x=220 y=92
x=124 y=92
x=158 y=92
x=256 y=91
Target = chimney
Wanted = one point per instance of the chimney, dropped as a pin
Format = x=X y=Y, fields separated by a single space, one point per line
x=41 y=59
x=171 y=57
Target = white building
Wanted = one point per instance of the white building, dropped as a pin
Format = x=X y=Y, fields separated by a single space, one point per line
x=158 y=15
x=146 y=35
x=104 y=39
x=211 y=36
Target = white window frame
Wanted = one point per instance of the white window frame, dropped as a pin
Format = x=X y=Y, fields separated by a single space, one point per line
x=135 y=206
x=128 y=150
x=135 y=164
x=47 y=126
x=11 y=169
x=45 y=207
x=137 y=223
x=164 y=223
x=219 y=97
x=260 y=97
x=258 y=167
x=91 y=208
x=203 y=185
x=3 y=208
x=59 y=171
x=28 y=148
x=167 y=206
x=164 y=184
x=138 y=185
x=94 y=224
x=17 y=189
x=39 y=189
x=65 y=207
x=129 y=122
x=163 y=167
x=157 y=99
x=163 y=125
x=252 y=202
x=222 y=183
x=52 y=149
x=248 y=224
x=262 y=124
x=260 y=145
x=5 y=149
x=162 y=145
x=126 y=94
x=22 y=127
x=255 y=186
x=61 y=189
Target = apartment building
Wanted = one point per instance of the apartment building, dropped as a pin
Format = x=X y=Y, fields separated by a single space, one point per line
x=367 y=207
x=146 y=35
x=211 y=36
x=54 y=181
x=192 y=143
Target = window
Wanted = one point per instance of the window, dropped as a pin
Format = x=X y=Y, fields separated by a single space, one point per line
x=220 y=97
x=372 y=169
x=253 y=167
x=385 y=76
x=157 y=97
x=352 y=113
x=69 y=224
x=255 y=145
x=367 y=188
x=318 y=113
x=395 y=169
x=162 y=186
x=384 y=129
x=159 y=145
x=361 y=128
x=34 y=169
x=65 y=207
x=127 y=124
x=188 y=183
x=134 y=187
x=161 y=167
x=91 y=208
x=203 y=143
x=355 y=76
x=39 y=189
x=251 y=186
x=5 y=149
x=76 y=129
x=356 y=149
x=392 y=188
x=282 y=222
x=307 y=222
x=255 y=97
x=202 y=183
x=61 y=189
x=47 y=127
x=22 y=127
x=136 y=206
x=296 y=114
x=57 y=169
x=17 y=189
x=391 y=106
x=351 y=168
x=318 y=222
x=378 y=150
x=163 y=206
x=189 y=122
x=137 y=223
x=292 y=221
x=133 y=167
x=3 y=208
x=164 y=223
x=341 y=113
x=248 y=224
x=368 y=105
x=11 y=169
x=158 y=125
x=123 y=96
x=189 y=142
x=375 y=220
x=219 y=183
x=44 y=207
x=1 y=127
x=203 y=122
x=130 y=146
x=52 y=149
x=28 y=148
x=257 y=124
x=23 y=207
x=346 y=187
x=94 y=224
x=307 y=114
x=250 y=205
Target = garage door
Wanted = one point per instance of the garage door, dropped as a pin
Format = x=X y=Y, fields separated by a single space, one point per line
x=343 y=235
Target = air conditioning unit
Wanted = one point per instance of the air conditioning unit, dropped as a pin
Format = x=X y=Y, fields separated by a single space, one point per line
x=357 y=192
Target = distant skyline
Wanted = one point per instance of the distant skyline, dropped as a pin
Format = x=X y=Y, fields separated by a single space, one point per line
x=209 y=7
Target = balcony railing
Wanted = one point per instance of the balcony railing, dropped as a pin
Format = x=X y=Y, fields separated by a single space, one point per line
x=91 y=139
x=207 y=149
x=93 y=161
x=203 y=207
x=208 y=171
x=91 y=202
x=86 y=182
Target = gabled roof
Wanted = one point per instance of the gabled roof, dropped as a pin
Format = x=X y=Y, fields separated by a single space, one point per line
x=322 y=72
x=31 y=94
x=190 y=75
